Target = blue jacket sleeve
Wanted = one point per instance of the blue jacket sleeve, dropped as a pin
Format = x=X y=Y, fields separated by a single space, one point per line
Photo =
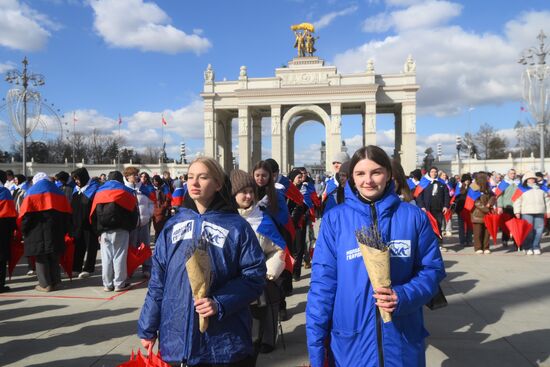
x=429 y=271
x=149 y=320
x=322 y=292
x=237 y=293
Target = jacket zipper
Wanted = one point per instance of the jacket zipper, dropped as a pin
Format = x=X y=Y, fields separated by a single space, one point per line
x=378 y=316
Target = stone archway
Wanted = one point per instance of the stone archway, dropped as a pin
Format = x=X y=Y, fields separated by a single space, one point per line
x=302 y=114
x=306 y=87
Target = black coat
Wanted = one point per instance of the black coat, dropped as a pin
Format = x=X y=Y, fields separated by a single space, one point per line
x=427 y=200
x=111 y=216
x=44 y=232
x=7 y=226
x=81 y=214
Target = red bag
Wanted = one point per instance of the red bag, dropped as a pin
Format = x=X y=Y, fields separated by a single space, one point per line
x=136 y=257
x=66 y=261
x=16 y=252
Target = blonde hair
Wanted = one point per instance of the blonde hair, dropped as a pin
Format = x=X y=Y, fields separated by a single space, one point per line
x=213 y=167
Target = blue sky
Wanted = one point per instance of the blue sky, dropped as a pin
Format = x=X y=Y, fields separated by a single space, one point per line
x=144 y=58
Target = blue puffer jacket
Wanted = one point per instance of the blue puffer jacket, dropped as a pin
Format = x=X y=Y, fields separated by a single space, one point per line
x=238 y=268
x=340 y=302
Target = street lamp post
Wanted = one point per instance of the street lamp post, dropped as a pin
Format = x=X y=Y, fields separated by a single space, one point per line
x=23 y=79
x=536 y=86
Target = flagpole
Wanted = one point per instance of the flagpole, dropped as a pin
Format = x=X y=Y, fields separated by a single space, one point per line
x=162 y=149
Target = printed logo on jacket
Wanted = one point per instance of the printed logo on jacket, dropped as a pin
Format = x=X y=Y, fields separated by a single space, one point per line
x=214 y=234
x=400 y=248
x=183 y=231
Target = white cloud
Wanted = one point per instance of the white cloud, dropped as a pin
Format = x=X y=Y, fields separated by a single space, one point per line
x=422 y=15
x=326 y=19
x=23 y=28
x=142 y=25
x=455 y=67
x=5 y=66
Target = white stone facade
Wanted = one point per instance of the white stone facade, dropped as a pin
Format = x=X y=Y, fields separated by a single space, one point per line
x=306 y=90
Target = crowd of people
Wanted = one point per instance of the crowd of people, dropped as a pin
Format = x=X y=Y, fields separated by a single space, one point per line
x=256 y=229
x=473 y=196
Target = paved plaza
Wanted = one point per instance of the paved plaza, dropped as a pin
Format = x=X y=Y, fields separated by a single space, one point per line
x=498 y=315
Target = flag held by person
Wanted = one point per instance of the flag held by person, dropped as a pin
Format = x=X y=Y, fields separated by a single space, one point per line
x=471 y=197
x=501 y=187
x=425 y=181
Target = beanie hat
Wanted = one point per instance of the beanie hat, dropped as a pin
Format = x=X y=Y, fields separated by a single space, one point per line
x=273 y=164
x=341 y=157
x=3 y=177
x=466 y=177
x=115 y=175
x=82 y=175
x=416 y=174
x=292 y=175
x=240 y=180
x=39 y=177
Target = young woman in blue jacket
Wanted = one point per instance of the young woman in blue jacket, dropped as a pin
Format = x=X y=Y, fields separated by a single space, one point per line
x=343 y=321
x=238 y=276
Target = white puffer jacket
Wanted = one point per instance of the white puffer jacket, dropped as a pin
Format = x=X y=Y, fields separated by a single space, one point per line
x=534 y=201
x=146 y=205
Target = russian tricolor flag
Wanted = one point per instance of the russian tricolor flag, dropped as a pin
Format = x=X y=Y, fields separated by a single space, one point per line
x=501 y=187
x=411 y=184
x=471 y=197
x=425 y=181
x=90 y=191
x=115 y=192
x=44 y=195
x=519 y=191
x=178 y=195
x=7 y=205
x=149 y=191
x=290 y=190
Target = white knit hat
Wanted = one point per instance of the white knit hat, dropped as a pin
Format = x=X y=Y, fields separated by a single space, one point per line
x=39 y=177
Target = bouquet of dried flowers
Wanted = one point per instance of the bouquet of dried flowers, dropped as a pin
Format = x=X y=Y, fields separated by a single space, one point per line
x=376 y=256
x=199 y=273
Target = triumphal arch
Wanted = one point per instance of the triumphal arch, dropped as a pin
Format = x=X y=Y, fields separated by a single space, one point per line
x=307 y=89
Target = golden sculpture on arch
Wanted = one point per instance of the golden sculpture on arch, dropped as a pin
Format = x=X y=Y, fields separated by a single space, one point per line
x=305 y=42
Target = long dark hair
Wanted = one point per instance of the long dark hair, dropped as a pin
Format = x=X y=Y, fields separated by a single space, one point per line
x=401 y=186
x=373 y=153
x=269 y=188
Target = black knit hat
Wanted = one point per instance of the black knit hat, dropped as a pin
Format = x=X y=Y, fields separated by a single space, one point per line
x=240 y=180
x=62 y=176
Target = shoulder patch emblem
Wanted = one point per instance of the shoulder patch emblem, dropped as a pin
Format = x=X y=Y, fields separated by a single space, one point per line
x=183 y=231
x=214 y=234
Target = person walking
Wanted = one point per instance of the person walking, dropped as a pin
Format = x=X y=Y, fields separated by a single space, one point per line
x=85 y=238
x=342 y=304
x=482 y=206
x=532 y=205
x=113 y=215
x=209 y=218
x=45 y=217
x=465 y=233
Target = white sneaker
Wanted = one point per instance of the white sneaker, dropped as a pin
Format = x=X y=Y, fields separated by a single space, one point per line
x=84 y=275
x=479 y=252
x=31 y=272
x=442 y=249
x=487 y=252
x=529 y=252
x=537 y=252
